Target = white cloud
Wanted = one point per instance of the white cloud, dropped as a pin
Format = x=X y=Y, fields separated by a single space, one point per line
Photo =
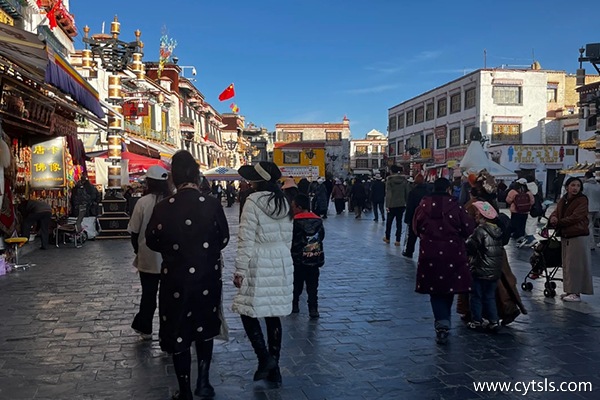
x=463 y=71
x=427 y=55
x=372 y=89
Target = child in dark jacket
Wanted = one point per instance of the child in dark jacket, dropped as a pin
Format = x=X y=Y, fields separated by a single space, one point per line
x=484 y=248
x=307 y=253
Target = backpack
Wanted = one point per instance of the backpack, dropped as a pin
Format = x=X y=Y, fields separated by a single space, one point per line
x=522 y=202
x=537 y=210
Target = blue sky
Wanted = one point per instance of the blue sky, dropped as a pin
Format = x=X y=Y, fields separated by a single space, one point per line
x=318 y=60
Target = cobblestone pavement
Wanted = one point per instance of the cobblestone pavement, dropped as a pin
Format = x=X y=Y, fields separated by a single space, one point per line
x=65 y=332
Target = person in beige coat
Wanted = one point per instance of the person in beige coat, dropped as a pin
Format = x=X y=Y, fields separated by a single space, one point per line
x=571 y=220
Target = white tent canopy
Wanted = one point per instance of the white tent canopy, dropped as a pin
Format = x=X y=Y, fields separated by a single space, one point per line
x=475 y=159
x=222 y=174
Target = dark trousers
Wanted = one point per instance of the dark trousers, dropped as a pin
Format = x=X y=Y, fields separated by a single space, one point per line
x=340 y=205
x=441 y=304
x=378 y=206
x=517 y=224
x=42 y=220
x=411 y=241
x=143 y=319
x=395 y=213
x=483 y=300
x=310 y=275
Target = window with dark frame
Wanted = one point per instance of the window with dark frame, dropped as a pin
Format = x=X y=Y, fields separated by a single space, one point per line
x=333 y=136
x=441 y=143
x=442 y=107
x=293 y=137
x=400 y=147
x=455 y=137
x=429 y=112
x=506 y=133
x=409 y=118
x=374 y=163
x=429 y=141
x=392 y=124
x=455 y=103
x=419 y=115
x=362 y=163
x=400 y=121
x=470 y=96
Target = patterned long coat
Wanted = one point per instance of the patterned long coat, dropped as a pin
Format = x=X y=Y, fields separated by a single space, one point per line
x=189 y=229
x=443 y=226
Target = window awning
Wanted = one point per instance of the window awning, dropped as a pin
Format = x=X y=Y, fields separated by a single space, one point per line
x=165 y=152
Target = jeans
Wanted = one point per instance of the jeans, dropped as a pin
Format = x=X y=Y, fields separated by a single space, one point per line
x=483 y=300
x=397 y=213
x=310 y=275
x=42 y=220
x=378 y=205
x=143 y=319
x=441 y=304
x=517 y=224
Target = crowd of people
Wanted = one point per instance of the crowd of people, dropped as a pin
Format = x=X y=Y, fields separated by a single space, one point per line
x=280 y=252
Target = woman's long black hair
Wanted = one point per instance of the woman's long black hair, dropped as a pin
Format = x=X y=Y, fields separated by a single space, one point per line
x=159 y=188
x=276 y=196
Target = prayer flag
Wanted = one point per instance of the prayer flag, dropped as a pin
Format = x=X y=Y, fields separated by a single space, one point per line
x=234 y=108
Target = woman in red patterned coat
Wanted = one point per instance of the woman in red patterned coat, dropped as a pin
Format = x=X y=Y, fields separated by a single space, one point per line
x=443 y=268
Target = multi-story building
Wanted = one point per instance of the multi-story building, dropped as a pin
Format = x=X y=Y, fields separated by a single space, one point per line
x=368 y=156
x=525 y=114
x=334 y=136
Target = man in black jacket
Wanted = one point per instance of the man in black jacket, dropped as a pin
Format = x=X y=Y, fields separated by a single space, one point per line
x=414 y=198
x=307 y=253
x=36 y=212
x=378 y=197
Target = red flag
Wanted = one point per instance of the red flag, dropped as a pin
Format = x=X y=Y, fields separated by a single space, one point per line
x=227 y=93
x=52 y=14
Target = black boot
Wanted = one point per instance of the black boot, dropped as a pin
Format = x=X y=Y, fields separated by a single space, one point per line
x=181 y=363
x=274 y=335
x=265 y=362
x=204 y=351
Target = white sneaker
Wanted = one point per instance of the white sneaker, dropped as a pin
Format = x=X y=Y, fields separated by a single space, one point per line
x=572 y=298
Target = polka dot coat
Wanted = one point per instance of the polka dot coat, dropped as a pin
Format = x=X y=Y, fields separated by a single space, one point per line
x=442 y=226
x=189 y=230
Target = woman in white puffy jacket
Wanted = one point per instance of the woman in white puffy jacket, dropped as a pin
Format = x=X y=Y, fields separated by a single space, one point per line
x=264 y=272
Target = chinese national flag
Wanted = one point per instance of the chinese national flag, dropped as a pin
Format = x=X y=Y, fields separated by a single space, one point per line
x=227 y=93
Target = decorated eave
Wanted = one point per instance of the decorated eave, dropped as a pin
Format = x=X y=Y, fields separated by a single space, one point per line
x=56 y=11
x=589 y=144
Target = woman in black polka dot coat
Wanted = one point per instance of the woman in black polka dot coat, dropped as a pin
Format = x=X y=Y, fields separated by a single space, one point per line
x=189 y=229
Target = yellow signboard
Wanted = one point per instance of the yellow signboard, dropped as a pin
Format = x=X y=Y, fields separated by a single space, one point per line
x=426 y=153
x=6 y=19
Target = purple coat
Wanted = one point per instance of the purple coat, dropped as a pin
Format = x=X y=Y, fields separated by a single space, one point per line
x=443 y=226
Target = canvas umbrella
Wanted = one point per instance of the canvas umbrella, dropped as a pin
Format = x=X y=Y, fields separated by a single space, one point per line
x=222 y=174
x=139 y=164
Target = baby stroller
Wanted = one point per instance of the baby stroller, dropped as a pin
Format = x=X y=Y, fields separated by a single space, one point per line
x=545 y=262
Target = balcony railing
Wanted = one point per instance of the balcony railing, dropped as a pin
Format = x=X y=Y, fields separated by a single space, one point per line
x=138 y=130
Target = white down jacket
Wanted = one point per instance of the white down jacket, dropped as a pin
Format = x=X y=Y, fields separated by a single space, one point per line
x=264 y=260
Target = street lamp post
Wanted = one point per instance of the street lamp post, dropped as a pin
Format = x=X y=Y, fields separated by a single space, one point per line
x=332 y=158
x=310 y=154
x=231 y=145
x=115 y=55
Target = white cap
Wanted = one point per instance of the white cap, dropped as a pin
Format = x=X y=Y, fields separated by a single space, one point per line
x=522 y=181
x=158 y=173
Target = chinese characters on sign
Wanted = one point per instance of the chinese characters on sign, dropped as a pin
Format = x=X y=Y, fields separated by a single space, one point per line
x=535 y=154
x=48 y=164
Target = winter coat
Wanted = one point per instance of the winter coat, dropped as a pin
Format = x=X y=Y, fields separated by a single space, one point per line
x=591 y=188
x=396 y=191
x=486 y=252
x=307 y=242
x=320 y=199
x=304 y=186
x=358 y=194
x=264 y=259
x=442 y=226
x=412 y=202
x=145 y=260
x=378 y=191
x=572 y=215
x=338 y=192
x=189 y=230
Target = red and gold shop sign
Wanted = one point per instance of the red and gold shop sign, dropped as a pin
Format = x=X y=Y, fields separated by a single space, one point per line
x=439 y=156
x=456 y=153
x=48 y=164
x=440 y=132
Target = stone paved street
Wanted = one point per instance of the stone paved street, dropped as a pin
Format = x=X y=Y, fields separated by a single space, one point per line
x=65 y=332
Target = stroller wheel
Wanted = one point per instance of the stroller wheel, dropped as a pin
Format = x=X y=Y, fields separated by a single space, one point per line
x=549 y=292
x=553 y=285
x=527 y=286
